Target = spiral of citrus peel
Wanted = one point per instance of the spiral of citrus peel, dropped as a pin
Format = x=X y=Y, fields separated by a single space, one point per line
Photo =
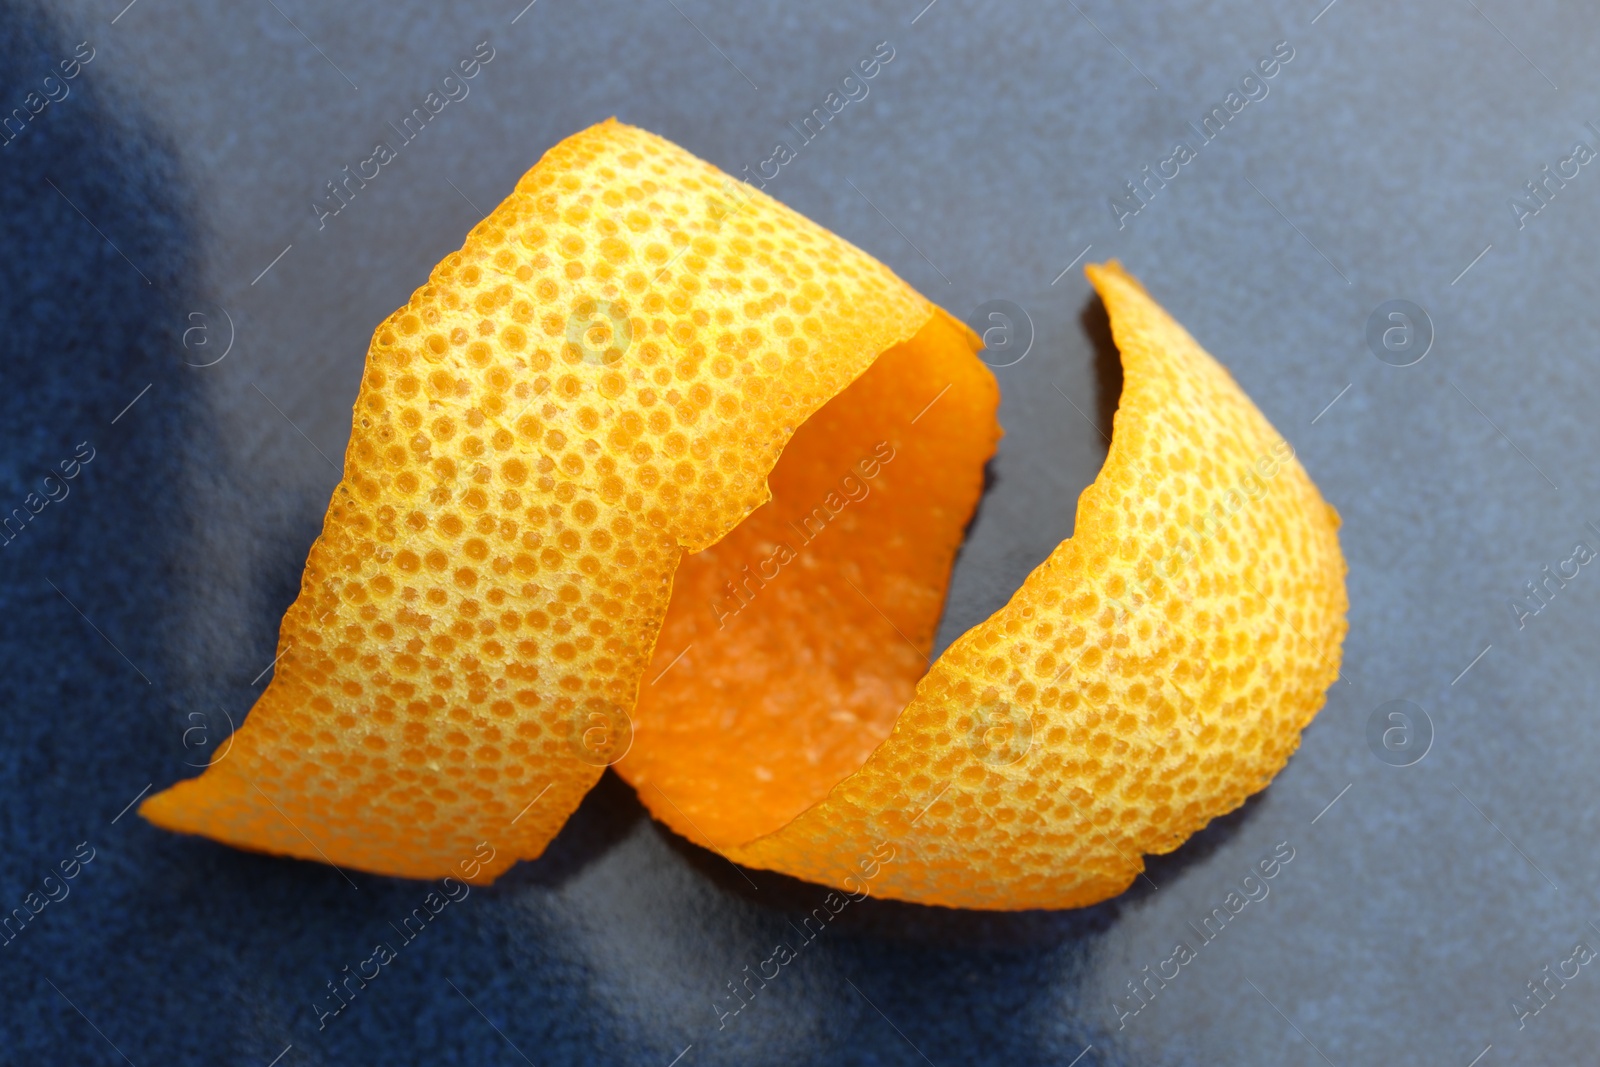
x=656 y=473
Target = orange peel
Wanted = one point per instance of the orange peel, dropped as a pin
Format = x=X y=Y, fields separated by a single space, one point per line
x=1156 y=670
x=657 y=473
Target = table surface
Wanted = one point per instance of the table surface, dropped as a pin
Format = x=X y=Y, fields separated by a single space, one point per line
x=159 y=216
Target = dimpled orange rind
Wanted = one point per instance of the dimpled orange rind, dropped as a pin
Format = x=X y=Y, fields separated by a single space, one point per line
x=1151 y=674
x=635 y=357
x=602 y=377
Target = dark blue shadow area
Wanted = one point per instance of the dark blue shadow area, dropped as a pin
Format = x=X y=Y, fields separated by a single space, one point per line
x=98 y=260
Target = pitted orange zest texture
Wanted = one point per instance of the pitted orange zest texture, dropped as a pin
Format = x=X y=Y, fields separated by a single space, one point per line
x=1151 y=674
x=611 y=372
x=602 y=377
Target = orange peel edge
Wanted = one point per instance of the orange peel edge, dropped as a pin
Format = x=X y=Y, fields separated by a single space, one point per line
x=1158 y=667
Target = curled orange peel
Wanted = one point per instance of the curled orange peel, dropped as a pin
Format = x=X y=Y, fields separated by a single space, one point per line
x=656 y=473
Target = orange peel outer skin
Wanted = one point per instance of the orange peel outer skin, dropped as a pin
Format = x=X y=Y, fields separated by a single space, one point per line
x=601 y=378
x=1151 y=674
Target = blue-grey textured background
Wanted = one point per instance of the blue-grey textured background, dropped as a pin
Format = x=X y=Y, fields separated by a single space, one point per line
x=145 y=604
